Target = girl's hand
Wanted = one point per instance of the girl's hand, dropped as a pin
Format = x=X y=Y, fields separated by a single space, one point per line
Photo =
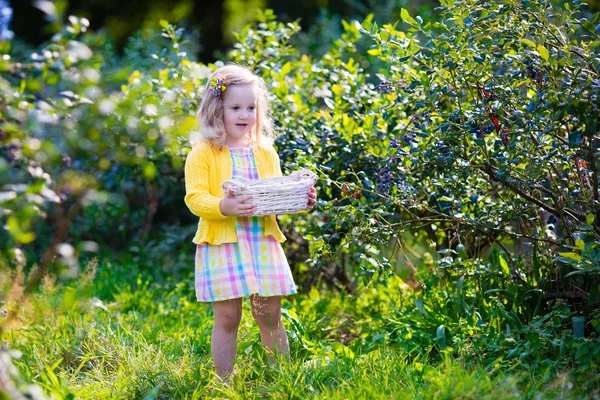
x=237 y=206
x=312 y=198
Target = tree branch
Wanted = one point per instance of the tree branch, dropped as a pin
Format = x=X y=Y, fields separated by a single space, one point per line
x=488 y=170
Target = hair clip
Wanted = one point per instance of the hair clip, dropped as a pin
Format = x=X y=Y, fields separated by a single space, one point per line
x=217 y=85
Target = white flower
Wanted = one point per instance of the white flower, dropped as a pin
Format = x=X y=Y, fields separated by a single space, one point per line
x=91 y=75
x=106 y=106
x=322 y=92
x=200 y=71
x=80 y=49
x=65 y=250
x=169 y=96
x=150 y=110
x=165 y=122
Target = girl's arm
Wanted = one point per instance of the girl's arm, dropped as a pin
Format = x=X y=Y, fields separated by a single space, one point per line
x=197 y=187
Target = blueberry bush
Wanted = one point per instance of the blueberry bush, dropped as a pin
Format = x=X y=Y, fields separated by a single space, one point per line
x=478 y=136
x=489 y=122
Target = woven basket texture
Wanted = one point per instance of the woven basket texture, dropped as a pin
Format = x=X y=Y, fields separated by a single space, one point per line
x=280 y=195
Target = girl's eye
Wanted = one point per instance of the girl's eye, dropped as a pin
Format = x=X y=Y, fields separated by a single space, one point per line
x=235 y=108
x=251 y=108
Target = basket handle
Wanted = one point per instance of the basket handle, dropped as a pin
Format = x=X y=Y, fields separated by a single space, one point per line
x=305 y=174
x=235 y=186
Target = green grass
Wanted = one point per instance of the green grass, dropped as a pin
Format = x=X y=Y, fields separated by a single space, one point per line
x=154 y=343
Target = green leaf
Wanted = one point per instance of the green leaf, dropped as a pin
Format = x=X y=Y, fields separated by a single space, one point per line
x=543 y=52
x=342 y=350
x=503 y=265
x=285 y=69
x=491 y=291
x=583 y=271
x=571 y=256
x=407 y=18
x=420 y=306
x=25 y=237
x=529 y=42
x=294 y=322
x=330 y=103
x=164 y=23
x=440 y=336
x=149 y=171
x=590 y=219
x=359 y=26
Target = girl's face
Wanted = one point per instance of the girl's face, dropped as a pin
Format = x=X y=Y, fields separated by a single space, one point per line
x=239 y=117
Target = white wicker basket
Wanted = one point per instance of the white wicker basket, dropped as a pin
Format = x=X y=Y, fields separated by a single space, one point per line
x=280 y=195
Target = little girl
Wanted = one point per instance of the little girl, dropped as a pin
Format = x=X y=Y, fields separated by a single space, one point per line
x=237 y=255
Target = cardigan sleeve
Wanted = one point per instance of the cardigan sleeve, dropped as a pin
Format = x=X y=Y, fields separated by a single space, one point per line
x=197 y=186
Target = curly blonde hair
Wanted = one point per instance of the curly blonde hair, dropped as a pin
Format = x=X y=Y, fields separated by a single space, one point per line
x=210 y=114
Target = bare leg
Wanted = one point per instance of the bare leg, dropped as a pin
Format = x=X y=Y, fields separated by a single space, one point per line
x=267 y=314
x=228 y=314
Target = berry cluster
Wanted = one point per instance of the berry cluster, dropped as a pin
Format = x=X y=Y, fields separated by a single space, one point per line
x=11 y=153
x=406 y=88
x=324 y=134
x=386 y=179
x=442 y=149
x=395 y=145
x=385 y=87
x=409 y=137
x=402 y=186
x=454 y=116
x=422 y=120
x=534 y=72
x=420 y=123
x=480 y=131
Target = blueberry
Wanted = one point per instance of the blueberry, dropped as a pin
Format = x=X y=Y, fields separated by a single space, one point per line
x=385 y=87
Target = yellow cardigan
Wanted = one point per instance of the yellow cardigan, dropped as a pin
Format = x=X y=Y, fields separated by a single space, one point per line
x=206 y=167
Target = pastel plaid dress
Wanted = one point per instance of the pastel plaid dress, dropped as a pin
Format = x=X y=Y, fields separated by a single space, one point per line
x=255 y=264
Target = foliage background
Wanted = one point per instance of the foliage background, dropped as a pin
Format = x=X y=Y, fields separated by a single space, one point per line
x=457 y=150
x=212 y=24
